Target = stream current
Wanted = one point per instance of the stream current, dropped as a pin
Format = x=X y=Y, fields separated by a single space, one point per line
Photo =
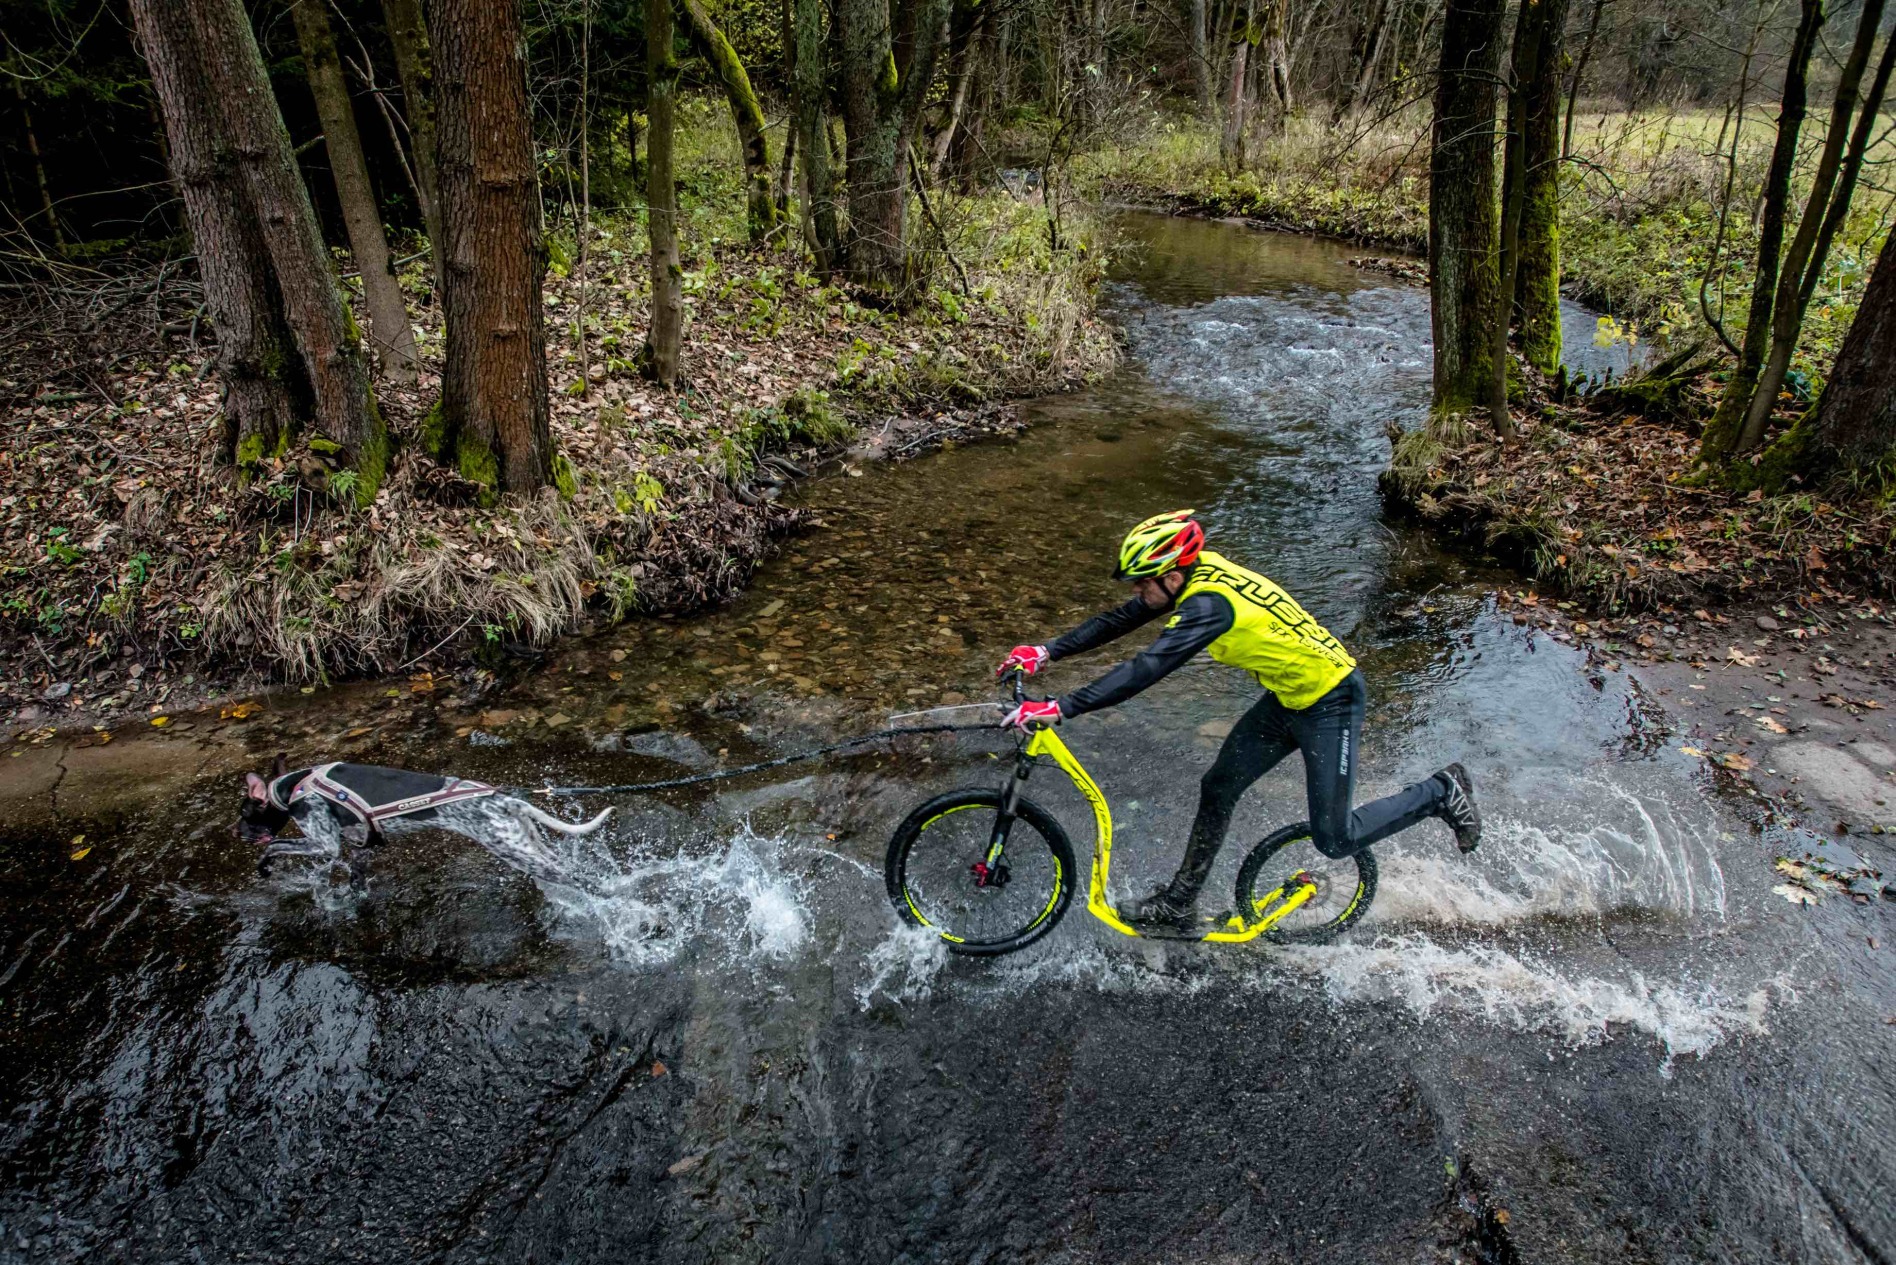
x=1599 y=1038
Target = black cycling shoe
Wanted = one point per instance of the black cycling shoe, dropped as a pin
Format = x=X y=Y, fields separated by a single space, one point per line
x=1458 y=808
x=1161 y=911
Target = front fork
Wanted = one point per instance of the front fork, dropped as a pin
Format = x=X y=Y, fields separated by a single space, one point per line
x=990 y=871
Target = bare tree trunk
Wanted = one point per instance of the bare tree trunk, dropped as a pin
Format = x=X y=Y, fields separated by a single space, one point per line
x=1237 y=109
x=491 y=423
x=745 y=111
x=1579 y=75
x=1849 y=438
x=964 y=33
x=1365 y=49
x=1537 y=277
x=264 y=390
x=787 y=165
x=39 y=166
x=1824 y=214
x=1277 y=52
x=389 y=330
x=889 y=53
x=326 y=342
x=663 y=342
x=813 y=134
x=414 y=63
x=1462 y=228
x=1201 y=59
x=1721 y=433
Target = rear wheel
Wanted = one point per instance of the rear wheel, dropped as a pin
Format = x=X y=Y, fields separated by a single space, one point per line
x=1345 y=886
x=938 y=878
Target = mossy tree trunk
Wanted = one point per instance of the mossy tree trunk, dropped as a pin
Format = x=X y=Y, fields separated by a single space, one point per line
x=812 y=92
x=1850 y=436
x=889 y=49
x=1537 y=268
x=1832 y=186
x=491 y=423
x=1721 y=433
x=264 y=391
x=390 y=332
x=712 y=45
x=1463 y=231
x=663 y=341
x=329 y=358
x=414 y=63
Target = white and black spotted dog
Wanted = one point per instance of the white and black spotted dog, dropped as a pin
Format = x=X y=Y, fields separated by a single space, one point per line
x=344 y=810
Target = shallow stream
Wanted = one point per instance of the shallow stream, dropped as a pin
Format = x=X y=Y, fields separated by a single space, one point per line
x=1600 y=1038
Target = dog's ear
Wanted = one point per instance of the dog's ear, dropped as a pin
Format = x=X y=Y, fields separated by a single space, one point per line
x=256 y=788
x=281 y=766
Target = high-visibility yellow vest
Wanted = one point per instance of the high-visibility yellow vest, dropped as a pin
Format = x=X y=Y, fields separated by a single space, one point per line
x=1271 y=637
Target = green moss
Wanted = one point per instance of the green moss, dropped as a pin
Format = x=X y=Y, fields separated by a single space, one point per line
x=327 y=447
x=434 y=430
x=564 y=476
x=477 y=463
x=371 y=464
x=250 y=451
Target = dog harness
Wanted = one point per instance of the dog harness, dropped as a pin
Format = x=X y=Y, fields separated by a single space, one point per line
x=370 y=794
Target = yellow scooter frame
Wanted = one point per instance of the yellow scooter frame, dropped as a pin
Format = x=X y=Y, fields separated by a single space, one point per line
x=1279 y=903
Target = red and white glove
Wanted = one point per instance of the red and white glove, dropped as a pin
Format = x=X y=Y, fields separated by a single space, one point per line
x=1029 y=659
x=1031 y=713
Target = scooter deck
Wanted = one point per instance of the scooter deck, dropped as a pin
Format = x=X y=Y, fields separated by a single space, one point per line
x=1195 y=933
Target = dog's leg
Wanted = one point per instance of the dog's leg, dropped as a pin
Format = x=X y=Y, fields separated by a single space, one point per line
x=288 y=848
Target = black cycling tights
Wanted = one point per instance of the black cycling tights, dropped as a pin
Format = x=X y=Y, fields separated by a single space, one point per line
x=1327 y=732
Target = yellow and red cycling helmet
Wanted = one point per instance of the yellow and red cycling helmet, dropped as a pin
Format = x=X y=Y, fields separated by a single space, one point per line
x=1162 y=543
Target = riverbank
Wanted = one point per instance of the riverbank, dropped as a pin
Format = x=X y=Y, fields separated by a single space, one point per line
x=138 y=573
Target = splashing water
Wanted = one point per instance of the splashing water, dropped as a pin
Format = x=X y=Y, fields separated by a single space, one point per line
x=1515 y=992
x=1637 y=852
x=647 y=911
x=902 y=967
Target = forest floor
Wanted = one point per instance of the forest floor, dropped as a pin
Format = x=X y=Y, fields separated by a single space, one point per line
x=136 y=573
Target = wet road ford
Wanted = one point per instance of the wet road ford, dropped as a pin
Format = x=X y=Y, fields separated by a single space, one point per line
x=1600 y=1038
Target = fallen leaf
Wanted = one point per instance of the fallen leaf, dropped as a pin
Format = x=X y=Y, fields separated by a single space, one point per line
x=240 y=711
x=1765 y=722
x=1691 y=751
x=159 y=722
x=1735 y=762
x=658 y=1068
x=1796 y=895
x=687 y=1164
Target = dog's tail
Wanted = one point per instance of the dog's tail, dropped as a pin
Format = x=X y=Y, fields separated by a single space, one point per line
x=567 y=827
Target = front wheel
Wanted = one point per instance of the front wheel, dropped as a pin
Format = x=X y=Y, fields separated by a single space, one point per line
x=1345 y=886
x=939 y=874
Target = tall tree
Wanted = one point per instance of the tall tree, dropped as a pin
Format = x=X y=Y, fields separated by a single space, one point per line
x=263 y=387
x=31 y=137
x=389 y=330
x=1832 y=186
x=1721 y=433
x=414 y=64
x=1850 y=436
x=1202 y=69
x=888 y=65
x=664 y=340
x=1366 y=39
x=711 y=44
x=1237 y=102
x=232 y=81
x=1536 y=287
x=812 y=91
x=1463 y=296
x=491 y=422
